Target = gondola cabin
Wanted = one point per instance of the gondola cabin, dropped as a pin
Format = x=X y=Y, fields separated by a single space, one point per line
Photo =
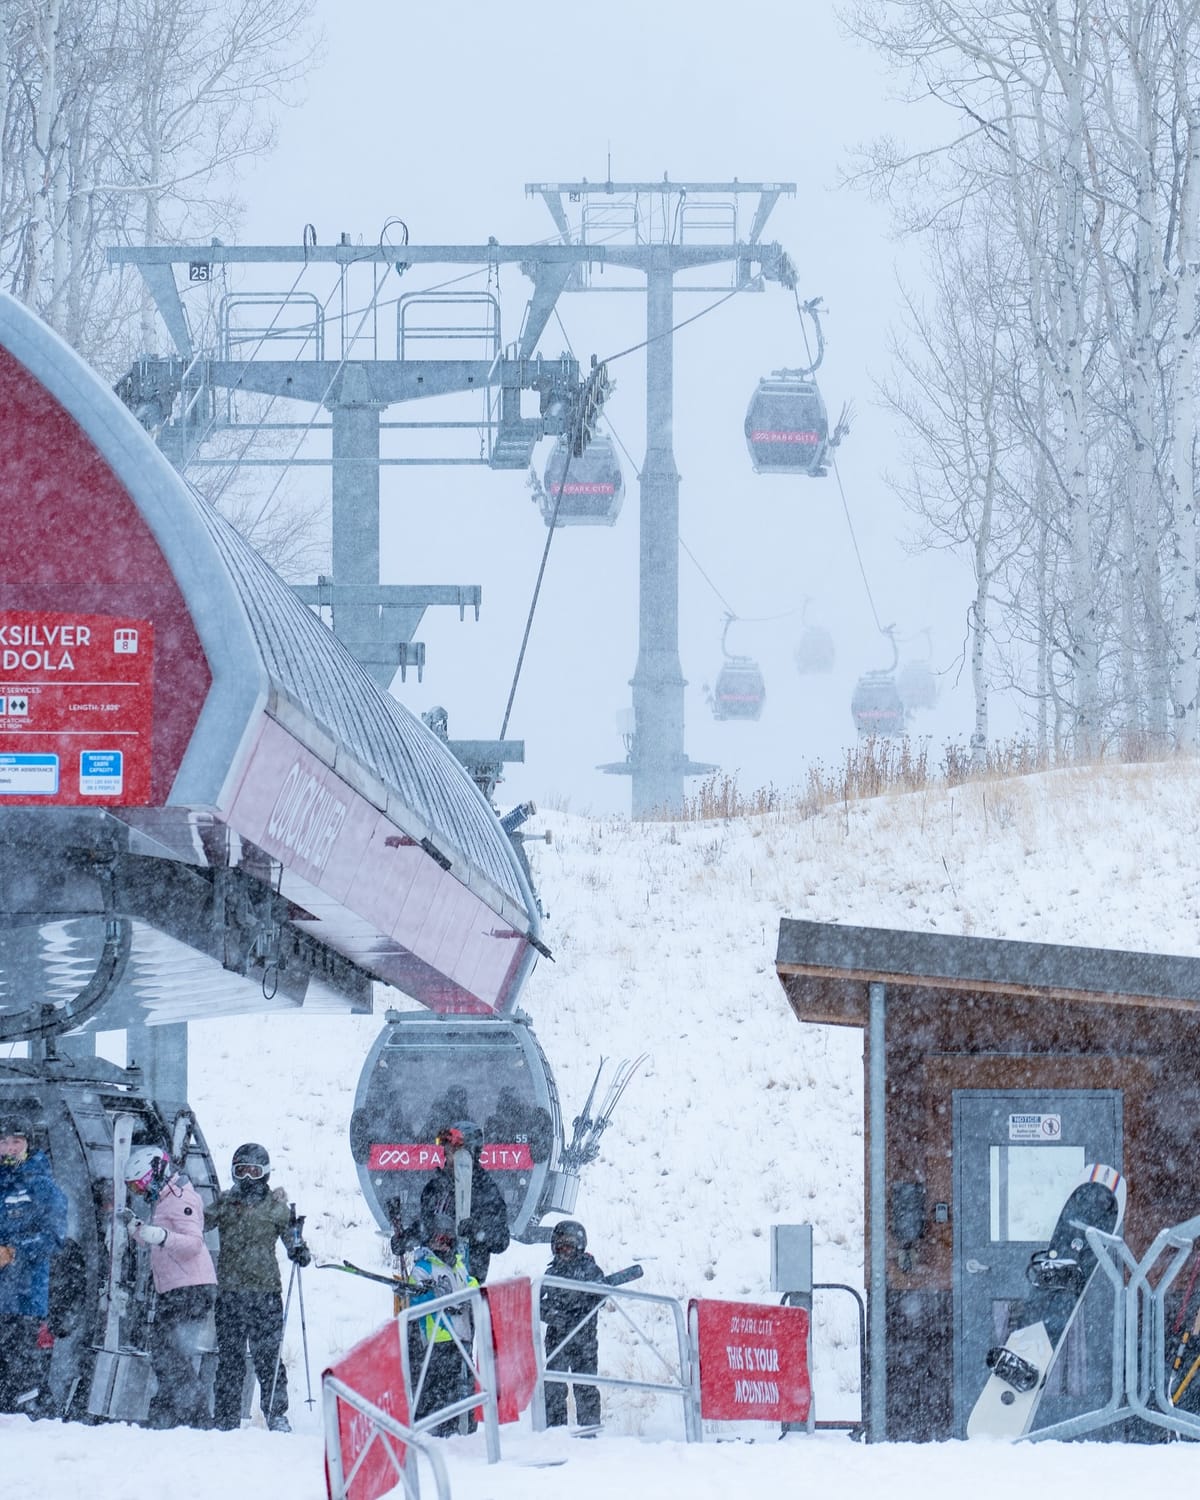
x=740 y=690
x=876 y=705
x=587 y=490
x=787 y=427
x=814 y=650
x=99 y=1367
x=424 y=1073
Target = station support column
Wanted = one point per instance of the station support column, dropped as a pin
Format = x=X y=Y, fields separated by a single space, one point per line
x=161 y=1052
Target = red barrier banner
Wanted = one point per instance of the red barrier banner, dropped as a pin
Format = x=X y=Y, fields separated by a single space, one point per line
x=373 y=1370
x=511 y=1306
x=753 y=1362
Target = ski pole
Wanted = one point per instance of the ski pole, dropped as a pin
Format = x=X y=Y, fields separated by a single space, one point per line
x=304 y=1335
x=282 y=1330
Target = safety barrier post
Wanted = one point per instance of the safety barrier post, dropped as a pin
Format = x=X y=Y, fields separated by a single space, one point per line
x=479 y=1364
x=680 y=1383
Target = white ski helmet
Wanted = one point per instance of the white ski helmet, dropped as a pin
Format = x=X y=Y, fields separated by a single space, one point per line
x=142 y=1166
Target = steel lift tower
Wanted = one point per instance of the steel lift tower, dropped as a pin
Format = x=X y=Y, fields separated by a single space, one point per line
x=670 y=227
x=655 y=229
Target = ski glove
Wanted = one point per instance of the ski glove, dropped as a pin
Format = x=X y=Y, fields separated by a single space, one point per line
x=405 y=1240
x=7 y=1256
x=301 y=1254
x=150 y=1234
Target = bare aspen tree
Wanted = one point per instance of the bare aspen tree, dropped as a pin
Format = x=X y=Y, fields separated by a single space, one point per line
x=1080 y=123
x=126 y=120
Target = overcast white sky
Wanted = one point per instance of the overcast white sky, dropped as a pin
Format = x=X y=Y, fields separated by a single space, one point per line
x=440 y=115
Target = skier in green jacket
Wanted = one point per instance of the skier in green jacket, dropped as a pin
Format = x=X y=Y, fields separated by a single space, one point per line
x=251 y=1217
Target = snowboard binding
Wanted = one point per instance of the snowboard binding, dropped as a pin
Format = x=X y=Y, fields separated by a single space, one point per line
x=1051 y=1272
x=1013 y=1370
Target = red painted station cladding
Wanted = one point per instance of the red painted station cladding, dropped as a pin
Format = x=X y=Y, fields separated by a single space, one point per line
x=153 y=669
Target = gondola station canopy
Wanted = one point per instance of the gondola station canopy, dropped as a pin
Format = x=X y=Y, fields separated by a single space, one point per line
x=186 y=751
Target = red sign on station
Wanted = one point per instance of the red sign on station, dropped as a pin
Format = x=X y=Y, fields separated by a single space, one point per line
x=76 y=709
x=753 y=1362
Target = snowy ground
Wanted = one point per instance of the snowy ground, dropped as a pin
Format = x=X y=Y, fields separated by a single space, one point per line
x=664 y=939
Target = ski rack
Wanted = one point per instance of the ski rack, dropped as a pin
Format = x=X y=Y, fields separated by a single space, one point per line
x=1139 y=1344
x=584 y=1145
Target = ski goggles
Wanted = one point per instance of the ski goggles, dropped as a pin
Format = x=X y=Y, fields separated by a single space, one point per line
x=451 y=1138
x=248 y=1171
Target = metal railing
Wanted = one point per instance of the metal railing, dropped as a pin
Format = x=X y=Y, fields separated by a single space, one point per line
x=382 y=1426
x=680 y=1375
x=479 y=1364
x=1138 y=1387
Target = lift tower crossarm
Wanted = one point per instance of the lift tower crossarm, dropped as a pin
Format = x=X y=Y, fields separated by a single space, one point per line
x=664 y=185
x=407 y=256
x=549 y=267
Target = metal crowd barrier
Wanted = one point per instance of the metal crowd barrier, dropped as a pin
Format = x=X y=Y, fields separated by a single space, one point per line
x=479 y=1363
x=681 y=1376
x=1138 y=1384
x=381 y=1422
x=478 y=1370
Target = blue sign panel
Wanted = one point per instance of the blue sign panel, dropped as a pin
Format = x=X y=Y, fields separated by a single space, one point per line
x=101 y=773
x=28 y=775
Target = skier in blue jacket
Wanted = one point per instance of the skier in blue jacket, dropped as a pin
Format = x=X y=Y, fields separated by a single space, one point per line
x=33 y=1225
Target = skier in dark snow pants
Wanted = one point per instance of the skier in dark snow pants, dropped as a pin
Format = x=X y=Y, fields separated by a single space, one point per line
x=484 y=1231
x=251 y=1217
x=561 y=1311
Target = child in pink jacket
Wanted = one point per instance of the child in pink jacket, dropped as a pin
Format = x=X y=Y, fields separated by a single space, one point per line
x=184 y=1283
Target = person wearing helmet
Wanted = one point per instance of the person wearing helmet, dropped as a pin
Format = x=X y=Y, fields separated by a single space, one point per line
x=484 y=1231
x=184 y=1282
x=439 y=1269
x=572 y=1339
x=33 y=1226
x=251 y=1217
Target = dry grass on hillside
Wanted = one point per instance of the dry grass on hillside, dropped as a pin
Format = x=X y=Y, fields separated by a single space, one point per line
x=874 y=767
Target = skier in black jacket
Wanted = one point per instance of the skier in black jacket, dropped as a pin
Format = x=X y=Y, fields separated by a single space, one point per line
x=485 y=1230
x=562 y=1311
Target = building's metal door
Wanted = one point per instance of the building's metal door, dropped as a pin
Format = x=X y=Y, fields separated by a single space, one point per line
x=1017 y=1155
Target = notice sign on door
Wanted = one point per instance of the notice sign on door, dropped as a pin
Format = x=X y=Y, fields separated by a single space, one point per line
x=76 y=708
x=1044 y=1128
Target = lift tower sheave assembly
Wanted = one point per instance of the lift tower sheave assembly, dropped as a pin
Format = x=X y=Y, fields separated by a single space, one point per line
x=670 y=224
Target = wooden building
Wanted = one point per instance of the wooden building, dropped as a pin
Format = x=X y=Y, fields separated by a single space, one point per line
x=993 y=1071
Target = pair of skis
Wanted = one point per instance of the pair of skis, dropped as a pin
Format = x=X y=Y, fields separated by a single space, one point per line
x=587 y=1128
x=1059 y=1276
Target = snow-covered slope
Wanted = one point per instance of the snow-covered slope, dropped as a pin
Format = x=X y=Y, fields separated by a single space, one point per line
x=664 y=938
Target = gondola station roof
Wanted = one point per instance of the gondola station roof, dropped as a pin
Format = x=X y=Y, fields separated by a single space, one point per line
x=167 y=702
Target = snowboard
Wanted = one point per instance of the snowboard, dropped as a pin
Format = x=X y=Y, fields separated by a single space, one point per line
x=1059 y=1277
